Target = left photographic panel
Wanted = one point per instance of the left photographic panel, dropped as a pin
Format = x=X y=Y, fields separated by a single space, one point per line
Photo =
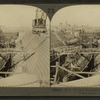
x=24 y=46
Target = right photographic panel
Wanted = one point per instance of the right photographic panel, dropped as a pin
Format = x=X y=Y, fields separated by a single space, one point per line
x=75 y=47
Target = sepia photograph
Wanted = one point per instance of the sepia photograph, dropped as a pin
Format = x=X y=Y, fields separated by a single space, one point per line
x=24 y=46
x=75 y=47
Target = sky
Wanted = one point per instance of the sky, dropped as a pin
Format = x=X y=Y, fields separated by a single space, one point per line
x=78 y=15
x=17 y=15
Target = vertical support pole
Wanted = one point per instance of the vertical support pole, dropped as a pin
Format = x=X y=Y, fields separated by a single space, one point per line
x=59 y=58
x=55 y=79
x=36 y=22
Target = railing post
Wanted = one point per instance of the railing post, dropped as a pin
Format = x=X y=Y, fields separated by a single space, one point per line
x=55 y=79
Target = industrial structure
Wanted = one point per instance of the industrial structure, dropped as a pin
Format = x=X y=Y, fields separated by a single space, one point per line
x=72 y=58
x=39 y=23
x=25 y=63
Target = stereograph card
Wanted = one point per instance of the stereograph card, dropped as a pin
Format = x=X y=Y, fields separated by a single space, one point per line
x=49 y=49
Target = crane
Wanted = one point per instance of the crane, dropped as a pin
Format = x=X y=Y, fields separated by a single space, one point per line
x=39 y=23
